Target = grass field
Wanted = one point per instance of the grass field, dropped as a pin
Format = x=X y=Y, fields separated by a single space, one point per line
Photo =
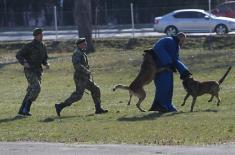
x=112 y=64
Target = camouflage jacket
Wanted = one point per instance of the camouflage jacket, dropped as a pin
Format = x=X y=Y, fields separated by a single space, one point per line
x=80 y=62
x=35 y=54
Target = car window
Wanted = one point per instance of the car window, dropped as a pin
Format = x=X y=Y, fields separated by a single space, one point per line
x=199 y=15
x=181 y=15
x=189 y=14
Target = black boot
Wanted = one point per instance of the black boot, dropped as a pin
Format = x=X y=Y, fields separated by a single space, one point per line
x=27 y=108
x=99 y=110
x=24 y=113
x=58 y=108
x=22 y=106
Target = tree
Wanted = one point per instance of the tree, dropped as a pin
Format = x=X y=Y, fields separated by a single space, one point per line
x=82 y=16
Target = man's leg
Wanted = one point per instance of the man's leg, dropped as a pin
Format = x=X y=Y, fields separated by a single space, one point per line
x=168 y=92
x=156 y=106
x=164 y=92
x=74 y=97
x=33 y=91
x=23 y=105
x=95 y=93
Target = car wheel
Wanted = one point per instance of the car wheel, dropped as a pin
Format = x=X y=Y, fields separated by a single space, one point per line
x=171 y=30
x=221 y=29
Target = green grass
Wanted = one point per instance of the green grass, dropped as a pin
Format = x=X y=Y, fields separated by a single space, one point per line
x=209 y=124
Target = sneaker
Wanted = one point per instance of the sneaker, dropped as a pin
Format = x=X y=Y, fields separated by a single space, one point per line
x=24 y=113
x=158 y=108
x=101 y=111
x=21 y=113
x=27 y=114
x=58 y=109
x=171 y=108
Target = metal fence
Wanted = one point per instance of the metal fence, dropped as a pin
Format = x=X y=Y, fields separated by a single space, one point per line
x=108 y=17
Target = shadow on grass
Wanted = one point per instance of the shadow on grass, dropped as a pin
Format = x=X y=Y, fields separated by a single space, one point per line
x=197 y=111
x=54 y=118
x=6 y=120
x=151 y=116
x=155 y=115
x=210 y=110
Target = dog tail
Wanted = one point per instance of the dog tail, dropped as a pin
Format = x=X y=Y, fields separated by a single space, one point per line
x=120 y=86
x=222 y=79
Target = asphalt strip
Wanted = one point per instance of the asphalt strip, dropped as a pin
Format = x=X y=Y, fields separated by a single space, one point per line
x=38 y=148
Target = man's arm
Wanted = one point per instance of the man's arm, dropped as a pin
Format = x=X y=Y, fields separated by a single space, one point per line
x=45 y=62
x=180 y=66
x=182 y=69
x=21 y=54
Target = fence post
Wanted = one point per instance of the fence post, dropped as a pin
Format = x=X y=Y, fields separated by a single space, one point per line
x=132 y=21
x=55 y=19
x=210 y=35
x=209 y=5
x=5 y=13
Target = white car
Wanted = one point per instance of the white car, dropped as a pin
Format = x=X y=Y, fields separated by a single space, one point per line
x=192 y=21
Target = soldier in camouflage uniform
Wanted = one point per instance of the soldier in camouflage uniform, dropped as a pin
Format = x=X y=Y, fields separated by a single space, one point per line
x=82 y=79
x=32 y=56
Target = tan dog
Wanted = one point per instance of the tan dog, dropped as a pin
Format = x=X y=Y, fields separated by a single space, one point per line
x=147 y=72
x=197 y=88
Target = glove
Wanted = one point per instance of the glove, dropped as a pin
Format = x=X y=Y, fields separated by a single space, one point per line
x=185 y=74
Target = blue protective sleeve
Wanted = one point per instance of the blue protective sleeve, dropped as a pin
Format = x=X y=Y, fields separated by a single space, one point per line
x=161 y=52
x=180 y=66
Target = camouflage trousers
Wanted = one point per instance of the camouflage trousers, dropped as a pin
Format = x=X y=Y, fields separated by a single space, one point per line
x=82 y=83
x=33 y=90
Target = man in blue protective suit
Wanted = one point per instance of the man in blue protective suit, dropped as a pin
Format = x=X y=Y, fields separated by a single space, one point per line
x=166 y=54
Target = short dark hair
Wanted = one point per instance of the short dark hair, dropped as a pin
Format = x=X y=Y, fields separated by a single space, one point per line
x=181 y=34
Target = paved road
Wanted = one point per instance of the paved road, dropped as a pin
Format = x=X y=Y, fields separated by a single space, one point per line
x=29 y=148
x=72 y=34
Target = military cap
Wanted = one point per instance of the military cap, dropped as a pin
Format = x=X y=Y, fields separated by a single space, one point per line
x=80 y=40
x=37 y=31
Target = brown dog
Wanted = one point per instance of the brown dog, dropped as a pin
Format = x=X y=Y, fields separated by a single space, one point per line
x=197 y=88
x=147 y=72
